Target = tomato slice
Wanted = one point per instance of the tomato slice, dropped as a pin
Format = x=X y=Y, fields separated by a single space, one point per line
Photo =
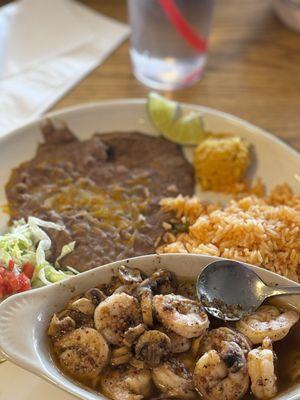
x=13 y=284
x=23 y=283
x=28 y=270
x=11 y=265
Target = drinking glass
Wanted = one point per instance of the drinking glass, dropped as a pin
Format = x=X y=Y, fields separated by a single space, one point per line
x=169 y=41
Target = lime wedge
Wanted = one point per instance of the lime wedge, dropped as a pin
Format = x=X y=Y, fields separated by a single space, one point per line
x=176 y=126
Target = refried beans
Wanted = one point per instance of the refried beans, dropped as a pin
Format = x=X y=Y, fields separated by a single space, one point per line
x=105 y=190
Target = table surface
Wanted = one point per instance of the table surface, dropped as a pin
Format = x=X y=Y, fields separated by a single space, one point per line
x=253 y=69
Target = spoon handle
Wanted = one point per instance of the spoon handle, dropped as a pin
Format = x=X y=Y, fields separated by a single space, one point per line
x=274 y=291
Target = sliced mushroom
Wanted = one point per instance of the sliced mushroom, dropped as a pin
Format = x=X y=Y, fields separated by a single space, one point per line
x=129 y=275
x=146 y=306
x=153 y=347
x=120 y=356
x=83 y=352
x=81 y=320
x=138 y=364
x=59 y=327
x=128 y=289
x=161 y=282
x=132 y=334
x=83 y=305
x=71 y=301
x=95 y=295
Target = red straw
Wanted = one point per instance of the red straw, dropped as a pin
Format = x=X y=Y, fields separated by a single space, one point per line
x=182 y=26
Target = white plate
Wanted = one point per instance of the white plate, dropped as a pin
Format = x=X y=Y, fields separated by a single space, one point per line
x=275 y=162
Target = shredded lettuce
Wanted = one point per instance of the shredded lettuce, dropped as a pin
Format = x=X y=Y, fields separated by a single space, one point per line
x=28 y=242
x=67 y=249
x=73 y=270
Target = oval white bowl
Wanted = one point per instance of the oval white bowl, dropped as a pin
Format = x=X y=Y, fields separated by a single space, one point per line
x=24 y=318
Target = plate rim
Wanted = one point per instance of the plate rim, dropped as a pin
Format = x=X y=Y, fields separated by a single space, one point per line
x=143 y=101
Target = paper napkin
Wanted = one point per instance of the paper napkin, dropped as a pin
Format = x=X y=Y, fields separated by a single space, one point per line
x=41 y=60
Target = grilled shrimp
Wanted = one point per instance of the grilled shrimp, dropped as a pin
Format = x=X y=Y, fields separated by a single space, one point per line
x=83 y=352
x=174 y=380
x=267 y=321
x=181 y=315
x=261 y=371
x=115 y=315
x=212 y=340
x=126 y=383
x=222 y=374
x=179 y=344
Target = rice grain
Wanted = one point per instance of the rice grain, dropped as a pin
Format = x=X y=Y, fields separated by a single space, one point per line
x=260 y=231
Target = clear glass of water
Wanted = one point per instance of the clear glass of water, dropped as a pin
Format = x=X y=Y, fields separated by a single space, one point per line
x=169 y=41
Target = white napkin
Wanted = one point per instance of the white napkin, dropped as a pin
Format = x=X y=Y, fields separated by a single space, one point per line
x=46 y=48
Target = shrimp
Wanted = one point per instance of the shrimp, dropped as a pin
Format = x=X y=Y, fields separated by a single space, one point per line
x=179 y=344
x=83 y=352
x=174 y=380
x=267 y=321
x=261 y=371
x=115 y=315
x=126 y=383
x=181 y=315
x=222 y=374
x=213 y=338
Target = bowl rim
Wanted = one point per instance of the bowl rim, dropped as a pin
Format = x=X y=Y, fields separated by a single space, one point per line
x=33 y=361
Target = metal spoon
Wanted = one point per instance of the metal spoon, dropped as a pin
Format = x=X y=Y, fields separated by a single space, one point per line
x=229 y=290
